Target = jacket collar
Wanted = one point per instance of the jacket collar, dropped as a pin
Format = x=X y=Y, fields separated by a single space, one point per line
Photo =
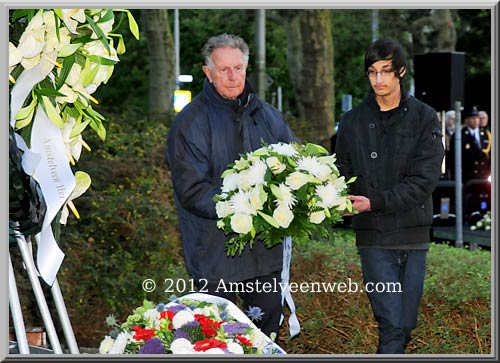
x=243 y=100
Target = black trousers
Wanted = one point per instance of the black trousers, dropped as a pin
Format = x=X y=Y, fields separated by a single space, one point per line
x=254 y=292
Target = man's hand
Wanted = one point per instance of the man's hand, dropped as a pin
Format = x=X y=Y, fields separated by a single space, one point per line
x=360 y=203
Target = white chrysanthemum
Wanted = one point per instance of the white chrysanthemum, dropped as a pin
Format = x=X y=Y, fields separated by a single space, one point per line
x=230 y=182
x=283 y=216
x=223 y=209
x=182 y=346
x=235 y=348
x=283 y=149
x=297 y=179
x=310 y=164
x=120 y=343
x=317 y=217
x=181 y=318
x=106 y=345
x=241 y=223
x=285 y=197
x=328 y=194
x=257 y=172
x=240 y=203
x=323 y=172
x=340 y=183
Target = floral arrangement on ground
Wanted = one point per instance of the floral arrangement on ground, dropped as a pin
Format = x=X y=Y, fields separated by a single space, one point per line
x=193 y=324
x=280 y=190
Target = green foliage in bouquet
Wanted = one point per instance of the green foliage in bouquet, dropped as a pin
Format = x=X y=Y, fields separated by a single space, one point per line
x=281 y=190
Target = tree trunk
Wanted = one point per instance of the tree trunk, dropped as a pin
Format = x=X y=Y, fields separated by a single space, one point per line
x=434 y=33
x=161 y=53
x=310 y=61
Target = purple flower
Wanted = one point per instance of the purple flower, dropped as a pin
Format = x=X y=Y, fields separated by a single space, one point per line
x=176 y=308
x=180 y=333
x=255 y=313
x=233 y=329
x=152 y=346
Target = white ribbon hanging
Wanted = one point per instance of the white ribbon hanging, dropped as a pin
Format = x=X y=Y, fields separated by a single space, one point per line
x=293 y=322
x=48 y=164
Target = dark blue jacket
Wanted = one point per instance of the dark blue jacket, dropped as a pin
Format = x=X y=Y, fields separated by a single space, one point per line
x=206 y=136
x=398 y=164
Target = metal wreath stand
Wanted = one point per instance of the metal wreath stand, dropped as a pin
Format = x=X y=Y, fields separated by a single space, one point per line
x=25 y=247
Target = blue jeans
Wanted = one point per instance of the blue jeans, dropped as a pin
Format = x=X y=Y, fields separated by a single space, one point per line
x=395 y=312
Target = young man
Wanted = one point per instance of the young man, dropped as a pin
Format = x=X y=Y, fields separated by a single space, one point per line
x=392 y=143
x=227 y=119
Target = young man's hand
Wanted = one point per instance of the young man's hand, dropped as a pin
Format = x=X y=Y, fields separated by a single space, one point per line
x=360 y=203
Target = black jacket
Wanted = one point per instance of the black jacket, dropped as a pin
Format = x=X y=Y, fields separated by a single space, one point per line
x=206 y=136
x=398 y=164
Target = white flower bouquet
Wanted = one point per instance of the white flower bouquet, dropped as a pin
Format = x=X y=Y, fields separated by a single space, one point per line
x=193 y=324
x=483 y=224
x=280 y=190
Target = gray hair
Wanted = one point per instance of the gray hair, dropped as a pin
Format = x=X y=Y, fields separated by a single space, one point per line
x=222 y=41
x=449 y=114
x=484 y=113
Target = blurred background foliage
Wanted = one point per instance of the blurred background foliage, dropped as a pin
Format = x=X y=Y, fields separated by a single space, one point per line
x=128 y=227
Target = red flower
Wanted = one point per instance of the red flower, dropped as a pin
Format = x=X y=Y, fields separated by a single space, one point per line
x=208 y=343
x=243 y=340
x=143 y=333
x=208 y=326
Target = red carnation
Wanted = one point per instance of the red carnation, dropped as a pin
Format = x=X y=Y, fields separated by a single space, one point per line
x=208 y=326
x=143 y=333
x=243 y=340
x=207 y=344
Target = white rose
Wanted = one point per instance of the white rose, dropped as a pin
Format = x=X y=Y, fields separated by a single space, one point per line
x=244 y=180
x=296 y=180
x=317 y=217
x=106 y=345
x=283 y=216
x=241 y=223
x=275 y=165
x=181 y=346
x=223 y=209
x=181 y=318
x=235 y=348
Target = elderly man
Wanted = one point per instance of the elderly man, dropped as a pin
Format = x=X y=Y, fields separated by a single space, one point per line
x=225 y=120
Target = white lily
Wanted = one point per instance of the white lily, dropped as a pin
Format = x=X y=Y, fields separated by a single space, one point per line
x=71 y=18
x=83 y=182
x=32 y=40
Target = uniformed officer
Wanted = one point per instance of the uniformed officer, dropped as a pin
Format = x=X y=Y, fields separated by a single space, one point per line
x=475 y=162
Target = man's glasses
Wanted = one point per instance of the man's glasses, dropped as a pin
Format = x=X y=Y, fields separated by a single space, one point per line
x=383 y=73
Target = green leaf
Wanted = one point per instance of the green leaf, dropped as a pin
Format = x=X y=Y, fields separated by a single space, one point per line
x=66 y=69
x=276 y=191
x=26 y=111
x=134 y=28
x=352 y=180
x=20 y=13
x=227 y=172
x=101 y=60
x=314 y=149
x=97 y=29
x=68 y=50
x=268 y=219
x=51 y=112
x=48 y=92
x=98 y=127
x=78 y=128
x=120 y=49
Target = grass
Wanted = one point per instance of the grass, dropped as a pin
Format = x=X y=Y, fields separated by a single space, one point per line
x=454 y=313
